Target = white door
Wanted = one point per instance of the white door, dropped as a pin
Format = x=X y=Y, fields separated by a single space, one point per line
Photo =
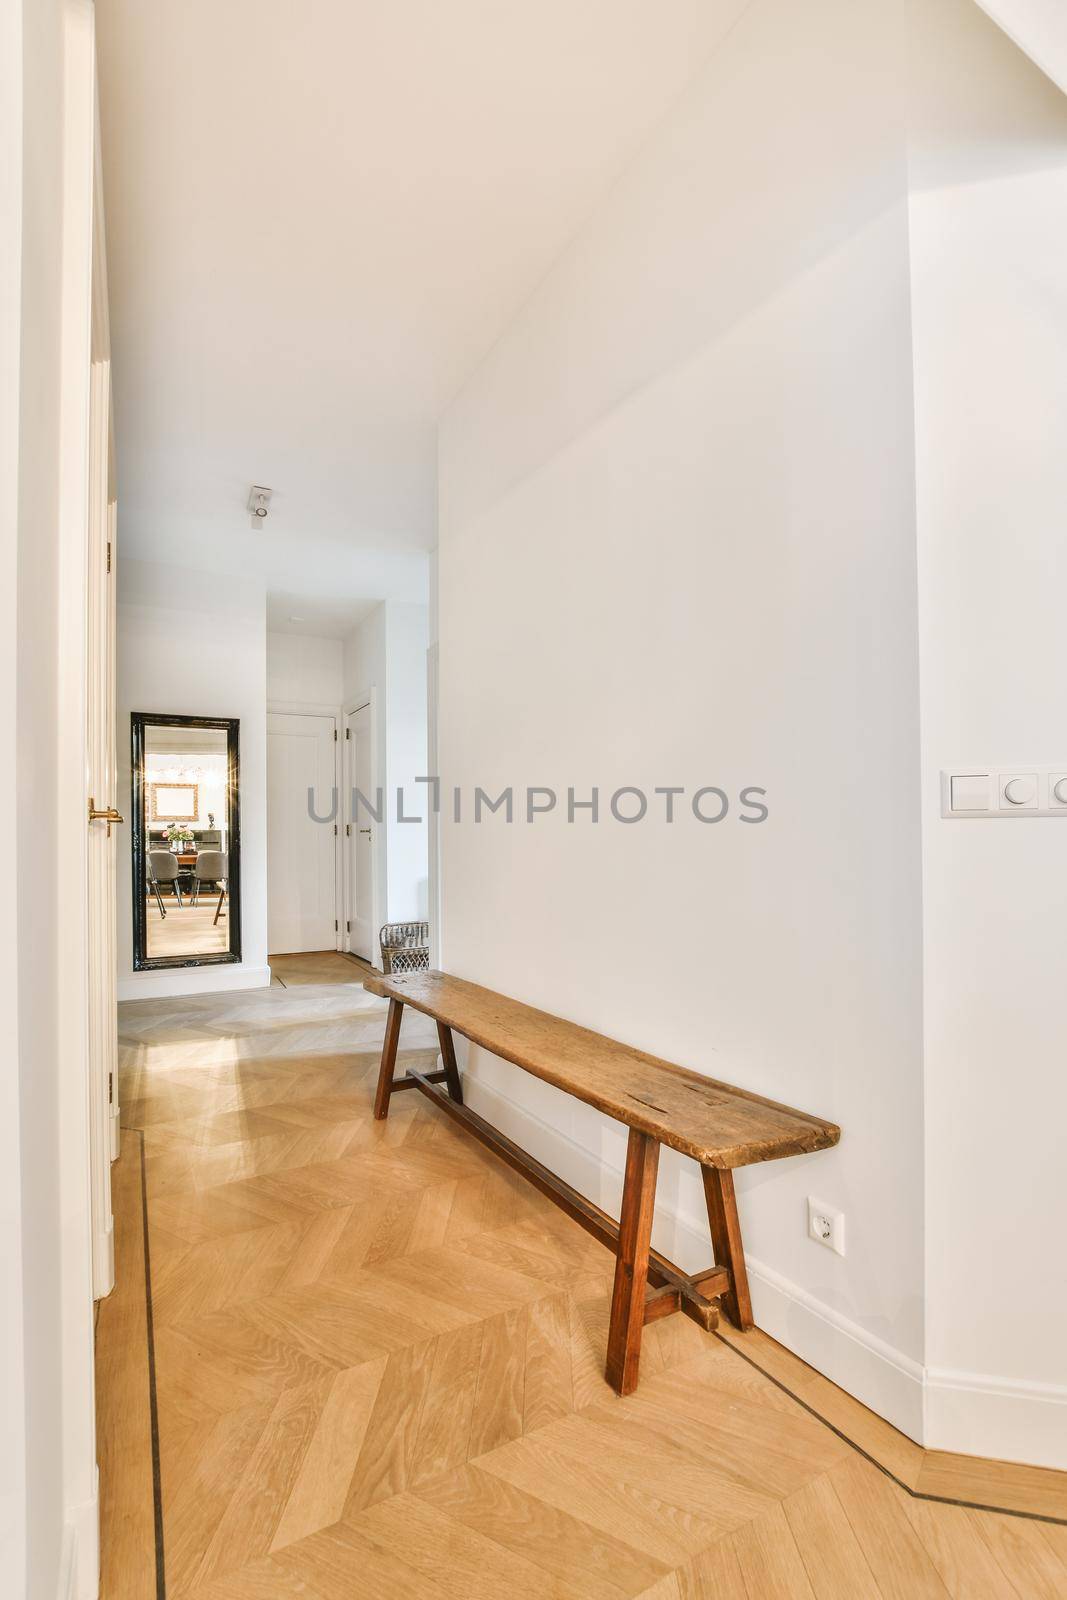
x=301 y=852
x=359 y=825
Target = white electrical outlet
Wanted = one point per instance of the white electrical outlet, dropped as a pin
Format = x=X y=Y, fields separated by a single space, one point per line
x=826 y=1225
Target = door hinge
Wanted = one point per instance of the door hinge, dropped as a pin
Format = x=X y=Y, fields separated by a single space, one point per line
x=348 y=927
x=109 y=555
x=348 y=733
x=335 y=924
x=348 y=830
x=111 y=1088
x=335 y=736
x=335 y=830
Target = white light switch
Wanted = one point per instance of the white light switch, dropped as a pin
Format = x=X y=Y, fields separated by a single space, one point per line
x=970 y=791
x=1000 y=791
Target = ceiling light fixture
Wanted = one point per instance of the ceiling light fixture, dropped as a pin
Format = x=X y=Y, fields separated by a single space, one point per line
x=258 y=503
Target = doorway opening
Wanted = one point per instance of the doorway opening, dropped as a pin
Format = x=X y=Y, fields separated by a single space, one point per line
x=349 y=810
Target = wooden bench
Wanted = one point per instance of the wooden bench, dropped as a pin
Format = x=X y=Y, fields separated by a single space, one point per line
x=718 y=1126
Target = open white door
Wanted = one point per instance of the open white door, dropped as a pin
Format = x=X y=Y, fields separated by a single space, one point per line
x=359 y=833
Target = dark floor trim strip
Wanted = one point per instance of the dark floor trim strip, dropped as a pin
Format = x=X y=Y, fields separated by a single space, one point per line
x=916 y=1494
x=153 y=1402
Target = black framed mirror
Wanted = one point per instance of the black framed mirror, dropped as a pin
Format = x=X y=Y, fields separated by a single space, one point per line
x=186 y=840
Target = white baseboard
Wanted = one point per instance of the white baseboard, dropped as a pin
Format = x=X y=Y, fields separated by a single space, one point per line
x=967 y=1413
x=79 y=1562
x=192 y=980
x=883 y=1378
x=67 y=1567
x=104 y=1260
x=1007 y=1419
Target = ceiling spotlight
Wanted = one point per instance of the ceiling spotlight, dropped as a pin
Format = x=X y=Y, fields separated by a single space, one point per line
x=258 y=503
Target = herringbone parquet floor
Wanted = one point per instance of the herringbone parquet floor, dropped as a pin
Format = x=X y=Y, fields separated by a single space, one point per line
x=378 y=1368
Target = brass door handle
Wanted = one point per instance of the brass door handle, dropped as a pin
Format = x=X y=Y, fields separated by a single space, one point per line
x=109 y=816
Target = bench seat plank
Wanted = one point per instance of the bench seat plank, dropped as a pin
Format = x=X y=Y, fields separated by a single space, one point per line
x=715 y=1124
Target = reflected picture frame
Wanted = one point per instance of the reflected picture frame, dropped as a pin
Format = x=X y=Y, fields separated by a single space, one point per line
x=174 y=802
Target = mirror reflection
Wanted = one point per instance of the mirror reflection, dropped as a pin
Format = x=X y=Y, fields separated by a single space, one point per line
x=186 y=845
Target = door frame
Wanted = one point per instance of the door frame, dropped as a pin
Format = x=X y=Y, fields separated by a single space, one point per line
x=82 y=1162
x=378 y=842
x=312 y=708
x=433 y=838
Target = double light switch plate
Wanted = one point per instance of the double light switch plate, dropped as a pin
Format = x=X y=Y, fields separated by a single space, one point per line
x=1024 y=791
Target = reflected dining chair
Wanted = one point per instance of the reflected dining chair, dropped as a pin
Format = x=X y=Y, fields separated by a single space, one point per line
x=163 y=868
x=153 y=883
x=211 y=867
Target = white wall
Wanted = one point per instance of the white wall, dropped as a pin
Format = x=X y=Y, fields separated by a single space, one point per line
x=303 y=669
x=180 y=652
x=678 y=547
x=363 y=666
x=785 y=421
x=31 y=1452
x=13 y=1222
x=989 y=244
x=48 y=1516
x=386 y=657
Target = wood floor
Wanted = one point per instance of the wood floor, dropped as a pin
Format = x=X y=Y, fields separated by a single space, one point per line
x=318 y=966
x=187 y=930
x=378 y=1370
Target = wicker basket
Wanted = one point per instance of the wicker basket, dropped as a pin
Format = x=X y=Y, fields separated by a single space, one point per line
x=405 y=946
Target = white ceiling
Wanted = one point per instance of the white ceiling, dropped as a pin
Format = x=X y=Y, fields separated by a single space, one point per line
x=324 y=617
x=320 y=215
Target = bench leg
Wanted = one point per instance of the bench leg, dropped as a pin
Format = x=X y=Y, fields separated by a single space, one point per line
x=726 y=1240
x=631 y=1262
x=385 y=1071
x=448 y=1056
